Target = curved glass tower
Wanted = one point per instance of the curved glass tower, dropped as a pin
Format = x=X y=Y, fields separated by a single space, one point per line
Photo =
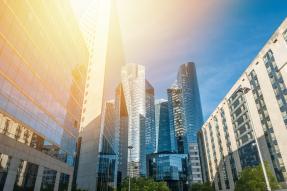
x=187 y=81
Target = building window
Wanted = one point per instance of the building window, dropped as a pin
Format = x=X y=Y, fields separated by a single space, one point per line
x=285 y=35
x=277 y=82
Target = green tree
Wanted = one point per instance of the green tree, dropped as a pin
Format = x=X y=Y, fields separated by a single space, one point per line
x=252 y=179
x=143 y=184
x=202 y=187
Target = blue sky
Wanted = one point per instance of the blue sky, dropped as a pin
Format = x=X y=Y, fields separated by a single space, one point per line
x=221 y=37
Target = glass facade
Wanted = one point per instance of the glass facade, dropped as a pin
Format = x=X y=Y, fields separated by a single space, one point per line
x=26 y=176
x=48 y=179
x=171 y=168
x=176 y=117
x=108 y=149
x=64 y=182
x=133 y=81
x=166 y=139
x=187 y=81
x=4 y=166
x=148 y=131
x=41 y=82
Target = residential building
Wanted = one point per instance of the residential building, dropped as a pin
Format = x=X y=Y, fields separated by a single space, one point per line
x=254 y=108
x=42 y=77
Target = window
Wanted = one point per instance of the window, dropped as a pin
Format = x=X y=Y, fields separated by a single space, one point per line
x=285 y=35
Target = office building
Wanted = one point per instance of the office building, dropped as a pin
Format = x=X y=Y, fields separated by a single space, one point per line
x=133 y=81
x=42 y=76
x=192 y=116
x=122 y=122
x=166 y=164
x=166 y=134
x=176 y=116
x=169 y=167
x=187 y=82
x=99 y=24
x=147 y=129
x=254 y=108
x=157 y=118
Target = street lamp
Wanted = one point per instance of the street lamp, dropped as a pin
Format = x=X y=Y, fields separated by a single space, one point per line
x=130 y=148
x=245 y=90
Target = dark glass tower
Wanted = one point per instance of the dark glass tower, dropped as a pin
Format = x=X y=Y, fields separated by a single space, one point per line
x=166 y=139
x=192 y=117
x=147 y=128
x=187 y=81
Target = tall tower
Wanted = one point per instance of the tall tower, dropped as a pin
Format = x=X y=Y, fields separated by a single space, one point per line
x=193 y=120
x=101 y=29
x=176 y=116
x=133 y=81
x=147 y=131
x=187 y=81
x=166 y=134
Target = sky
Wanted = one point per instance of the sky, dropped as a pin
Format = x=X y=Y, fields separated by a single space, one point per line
x=220 y=36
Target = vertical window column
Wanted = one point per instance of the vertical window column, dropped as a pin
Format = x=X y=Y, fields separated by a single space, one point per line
x=12 y=173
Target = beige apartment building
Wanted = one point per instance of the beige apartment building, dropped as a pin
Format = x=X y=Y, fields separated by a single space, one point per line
x=254 y=108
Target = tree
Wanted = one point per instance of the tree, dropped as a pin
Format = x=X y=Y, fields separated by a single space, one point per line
x=252 y=179
x=143 y=184
x=202 y=187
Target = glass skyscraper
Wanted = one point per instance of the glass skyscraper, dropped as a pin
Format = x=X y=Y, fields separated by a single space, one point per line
x=42 y=77
x=166 y=133
x=186 y=116
x=176 y=116
x=148 y=131
x=99 y=124
x=187 y=81
x=133 y=81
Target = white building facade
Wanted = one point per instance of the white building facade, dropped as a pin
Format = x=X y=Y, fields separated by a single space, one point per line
x=227 y=138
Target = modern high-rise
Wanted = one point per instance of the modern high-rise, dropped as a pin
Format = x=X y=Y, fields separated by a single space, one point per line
x=134 y=83
x=101 y=30
x=122 y=122
x=147 y=129
x=166 y=135
x=254 y=108
x=187 y=82
x=176 y=116
x=166 y=164
x=43 y=61
x=193 y=120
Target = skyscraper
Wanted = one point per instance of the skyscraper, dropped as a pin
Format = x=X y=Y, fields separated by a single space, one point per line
x=166 y=134
x=148 y=131
x=187 y=81
x=167 y=164
x=193 y=120
x=176 y=116
x=122 y=122
x=42 y=77
x=102 y=33
x=133 y=81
